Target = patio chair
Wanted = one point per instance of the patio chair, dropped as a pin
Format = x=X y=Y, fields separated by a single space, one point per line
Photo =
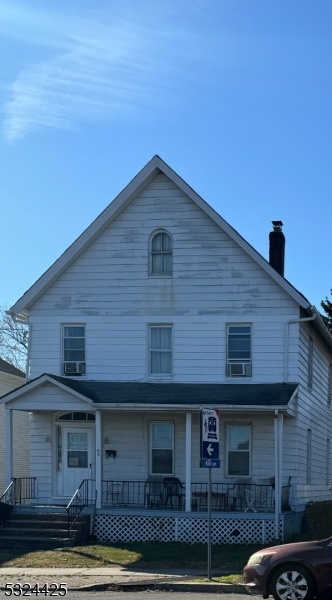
x=256 y=495
x=154 y=491
x=239 y=493
x=114 y=493
x=173 y=489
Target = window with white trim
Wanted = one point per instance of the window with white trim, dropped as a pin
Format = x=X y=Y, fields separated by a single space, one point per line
x=238 y=450
x=74 y=350
x=161 y=256
x=239 y=350
x=160 y=350
x=162 y=448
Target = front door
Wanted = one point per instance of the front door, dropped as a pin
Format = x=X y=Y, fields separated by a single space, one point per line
x=77 y=449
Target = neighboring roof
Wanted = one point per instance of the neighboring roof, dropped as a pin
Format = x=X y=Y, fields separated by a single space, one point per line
x=6 y=367
x=192 y=394
x=153 y=167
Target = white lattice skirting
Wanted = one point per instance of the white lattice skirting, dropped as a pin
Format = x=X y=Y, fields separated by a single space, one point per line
x=126 y=528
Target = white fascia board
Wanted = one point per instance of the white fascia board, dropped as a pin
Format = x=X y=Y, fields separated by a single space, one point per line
x=189 y=408
x=150 y=170
x=36 y=383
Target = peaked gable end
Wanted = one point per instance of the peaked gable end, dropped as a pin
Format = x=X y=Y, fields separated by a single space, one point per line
x=155 y=167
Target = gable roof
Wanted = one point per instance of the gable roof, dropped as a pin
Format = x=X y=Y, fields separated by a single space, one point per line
x=171 y=395
x=153 y=167
x=6 y=367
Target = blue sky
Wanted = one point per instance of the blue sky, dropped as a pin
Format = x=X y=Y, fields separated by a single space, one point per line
x=235 y=95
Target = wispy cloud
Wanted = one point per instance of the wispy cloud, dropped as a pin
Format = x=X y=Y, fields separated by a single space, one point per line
x=105 y=65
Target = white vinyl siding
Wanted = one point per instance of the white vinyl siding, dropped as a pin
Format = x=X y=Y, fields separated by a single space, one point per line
x=21 y=442
x=328 y=458
x=309 y=455
x=310 y=362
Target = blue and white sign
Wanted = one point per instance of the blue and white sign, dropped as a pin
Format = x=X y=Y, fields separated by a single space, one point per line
x=210 y=438
x=206 y=462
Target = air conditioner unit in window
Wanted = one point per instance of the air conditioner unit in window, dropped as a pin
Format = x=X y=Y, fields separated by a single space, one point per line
x=74 y=368
x=239 y=369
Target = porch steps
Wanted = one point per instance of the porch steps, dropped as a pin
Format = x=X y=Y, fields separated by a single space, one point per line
x=43 y=530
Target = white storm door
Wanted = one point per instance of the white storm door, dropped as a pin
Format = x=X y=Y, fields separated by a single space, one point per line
x=77 y=447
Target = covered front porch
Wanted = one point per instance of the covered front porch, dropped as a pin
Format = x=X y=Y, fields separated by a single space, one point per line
x=138 y=445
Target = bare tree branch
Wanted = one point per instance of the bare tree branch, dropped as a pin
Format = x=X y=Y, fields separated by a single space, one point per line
x=14 y=339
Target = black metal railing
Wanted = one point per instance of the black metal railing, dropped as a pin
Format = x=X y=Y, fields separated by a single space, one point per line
x=237 y=496
x=20 y=491
x=123 y=493
x=84 y=496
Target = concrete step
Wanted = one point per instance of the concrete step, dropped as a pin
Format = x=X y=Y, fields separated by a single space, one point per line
x=47 y=525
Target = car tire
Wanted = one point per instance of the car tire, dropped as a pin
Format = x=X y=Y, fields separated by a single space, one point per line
x=295 y=578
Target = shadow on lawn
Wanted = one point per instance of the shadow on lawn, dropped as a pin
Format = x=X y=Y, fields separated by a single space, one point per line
x=230 y=558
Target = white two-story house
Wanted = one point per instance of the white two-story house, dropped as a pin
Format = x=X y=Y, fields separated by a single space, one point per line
x=160 y=308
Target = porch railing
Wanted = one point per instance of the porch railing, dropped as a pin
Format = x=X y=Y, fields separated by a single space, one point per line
x=237 y=496
x=20 y=491
x=85 y=495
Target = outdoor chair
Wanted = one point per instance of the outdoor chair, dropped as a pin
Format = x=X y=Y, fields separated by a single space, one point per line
x=114 y=493
x=239 y=493
x=173 y=489
x=154 y=492
x=256 y=495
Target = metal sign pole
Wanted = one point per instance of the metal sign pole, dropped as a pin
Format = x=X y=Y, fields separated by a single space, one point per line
x=209 y=524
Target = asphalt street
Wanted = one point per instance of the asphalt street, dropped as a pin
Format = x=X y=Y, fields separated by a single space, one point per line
x=145 y=595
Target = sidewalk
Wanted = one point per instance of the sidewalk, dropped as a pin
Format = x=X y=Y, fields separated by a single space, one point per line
x=102 y=578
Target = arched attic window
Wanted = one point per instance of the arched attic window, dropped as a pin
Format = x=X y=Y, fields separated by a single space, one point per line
x=161 y=257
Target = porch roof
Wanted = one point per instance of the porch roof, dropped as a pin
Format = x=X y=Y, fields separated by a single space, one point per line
x=222 y=394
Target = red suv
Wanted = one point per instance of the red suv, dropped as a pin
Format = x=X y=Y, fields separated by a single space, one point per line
x=291 y=571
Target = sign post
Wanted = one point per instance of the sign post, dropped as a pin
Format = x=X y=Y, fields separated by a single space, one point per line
x=209 y=460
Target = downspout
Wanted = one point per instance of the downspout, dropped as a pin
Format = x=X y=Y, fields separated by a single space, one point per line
x=287 y=324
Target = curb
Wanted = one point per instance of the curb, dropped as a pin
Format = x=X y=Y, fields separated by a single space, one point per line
x=231 y=588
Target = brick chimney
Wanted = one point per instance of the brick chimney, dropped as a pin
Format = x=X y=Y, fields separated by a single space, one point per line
x=277 y=248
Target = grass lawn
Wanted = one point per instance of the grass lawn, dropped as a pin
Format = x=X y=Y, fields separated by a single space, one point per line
x=229 y=558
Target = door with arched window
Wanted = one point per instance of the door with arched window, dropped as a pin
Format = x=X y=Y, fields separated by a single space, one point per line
x=74 y=452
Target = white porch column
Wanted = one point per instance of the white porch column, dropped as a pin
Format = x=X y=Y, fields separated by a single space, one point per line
x=9 y=444
x=99 y=456
x=277 y=488
x=188 y=462
x=280 y=449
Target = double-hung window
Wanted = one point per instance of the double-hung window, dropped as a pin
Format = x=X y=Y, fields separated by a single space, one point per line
x=162 y=448
x=74 y=350
x=238 y=450
x=161 y=254
x=160 y=349
x=239 y=350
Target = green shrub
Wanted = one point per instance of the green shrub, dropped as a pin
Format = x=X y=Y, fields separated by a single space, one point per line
x=319 y=515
